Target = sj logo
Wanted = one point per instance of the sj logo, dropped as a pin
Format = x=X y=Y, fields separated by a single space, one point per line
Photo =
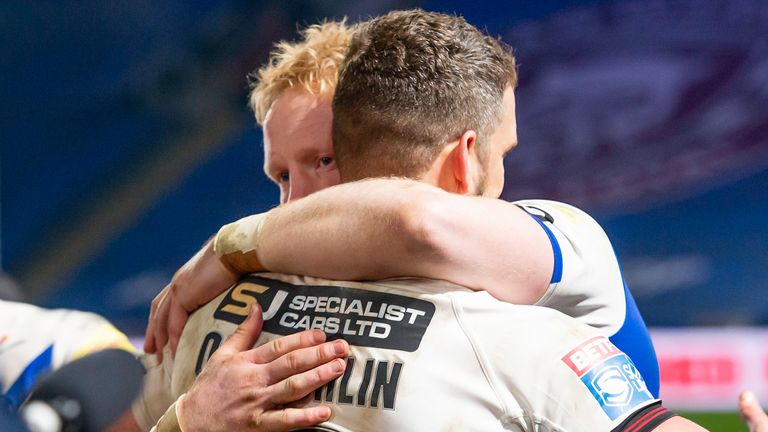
x=239 y=300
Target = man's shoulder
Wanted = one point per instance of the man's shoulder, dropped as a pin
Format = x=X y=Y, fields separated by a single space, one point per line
x=548 y=210
x=493 y=318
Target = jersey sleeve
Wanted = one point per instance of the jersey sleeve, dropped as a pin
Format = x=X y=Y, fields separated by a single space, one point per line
x=586 y=283
x=169 y=422
x=601 y=383
x=645 y=419
x=36 y=341
x=155 y=396
x=550 y=371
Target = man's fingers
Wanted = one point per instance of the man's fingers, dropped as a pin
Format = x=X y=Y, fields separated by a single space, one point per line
x=292 y=418
x=177 y=318
x=305 y=359
x=245 y=335
x=301 y=403
x=277 y=348
x=161 y=325
x=149 y=340
x=752 y=412
x=149 y=335
x=296 y=387
x=150 y=344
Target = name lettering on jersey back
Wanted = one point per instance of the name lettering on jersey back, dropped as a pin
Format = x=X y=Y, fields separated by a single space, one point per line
x=590 y=353
x=369 y=384
x=361 y=317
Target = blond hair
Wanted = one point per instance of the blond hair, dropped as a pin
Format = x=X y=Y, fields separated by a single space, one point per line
x=311 y=64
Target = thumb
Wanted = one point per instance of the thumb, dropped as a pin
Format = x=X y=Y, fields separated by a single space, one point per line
x=752 y=412
x=246 y=334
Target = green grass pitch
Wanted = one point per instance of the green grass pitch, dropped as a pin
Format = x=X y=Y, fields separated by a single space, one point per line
x=717 y=421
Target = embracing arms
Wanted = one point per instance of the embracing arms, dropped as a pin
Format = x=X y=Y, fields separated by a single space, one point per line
x=367 y=230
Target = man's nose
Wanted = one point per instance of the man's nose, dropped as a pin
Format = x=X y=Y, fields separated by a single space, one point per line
x=300 y=187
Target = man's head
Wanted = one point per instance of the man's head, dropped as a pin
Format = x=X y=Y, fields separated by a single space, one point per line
x=291 y=97
x=428 y=96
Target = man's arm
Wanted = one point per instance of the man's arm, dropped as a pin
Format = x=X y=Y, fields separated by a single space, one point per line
x=367 y=230
x=198 y=281
x=385 y=228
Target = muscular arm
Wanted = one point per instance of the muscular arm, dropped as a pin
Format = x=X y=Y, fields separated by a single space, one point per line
x=384 y=228
x=368 y=230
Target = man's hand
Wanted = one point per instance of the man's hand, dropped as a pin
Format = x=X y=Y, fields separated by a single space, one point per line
x=196 y=283
x=258 y=389
x=752 y=412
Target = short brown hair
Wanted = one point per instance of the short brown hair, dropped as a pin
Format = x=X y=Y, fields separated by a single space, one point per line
x=312 y=63
x=413 y=81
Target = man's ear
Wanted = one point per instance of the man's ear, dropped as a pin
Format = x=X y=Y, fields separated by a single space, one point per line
x=461 y=157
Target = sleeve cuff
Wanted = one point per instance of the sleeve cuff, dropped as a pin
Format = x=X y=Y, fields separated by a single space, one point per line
x=169 y=422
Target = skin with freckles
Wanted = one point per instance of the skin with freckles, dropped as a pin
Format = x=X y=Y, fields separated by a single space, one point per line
x=298 y=151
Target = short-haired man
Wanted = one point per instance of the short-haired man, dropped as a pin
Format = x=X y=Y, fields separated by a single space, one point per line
x=484 y=382
x=483 y=244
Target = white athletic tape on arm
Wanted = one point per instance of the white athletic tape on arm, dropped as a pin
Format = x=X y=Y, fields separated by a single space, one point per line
x=235 y=244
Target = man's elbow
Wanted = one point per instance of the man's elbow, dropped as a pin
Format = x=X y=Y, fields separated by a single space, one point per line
x=426 y=229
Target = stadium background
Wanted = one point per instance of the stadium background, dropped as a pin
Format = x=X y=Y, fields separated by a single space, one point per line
x=126 y=142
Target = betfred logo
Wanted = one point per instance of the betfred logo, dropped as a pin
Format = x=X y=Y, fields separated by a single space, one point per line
x=613 y=388
x=609 y=375
x=590 y=353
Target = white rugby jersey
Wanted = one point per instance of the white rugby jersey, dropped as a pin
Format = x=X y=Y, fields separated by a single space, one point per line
x=425 y=355
x=587 y=282
x=35 y=341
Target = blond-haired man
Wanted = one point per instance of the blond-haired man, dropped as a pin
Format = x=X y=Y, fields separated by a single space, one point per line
x=516 y=402
x=291 y=99
x=302 y=78
x=559 y=258
x=299 y=159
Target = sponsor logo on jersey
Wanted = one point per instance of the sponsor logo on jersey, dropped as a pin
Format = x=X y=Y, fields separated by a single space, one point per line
x=361 y=317
x=609 y=375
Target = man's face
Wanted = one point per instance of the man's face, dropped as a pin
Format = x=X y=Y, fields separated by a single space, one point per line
x=500 y=142
x=298 y=150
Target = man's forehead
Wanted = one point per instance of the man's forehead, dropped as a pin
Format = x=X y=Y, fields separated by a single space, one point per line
x=297 y=118
x=298 y=107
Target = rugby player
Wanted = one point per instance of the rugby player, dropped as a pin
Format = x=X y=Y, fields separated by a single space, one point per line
x=36 y=341
x=534 y=252
x=579 y=382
